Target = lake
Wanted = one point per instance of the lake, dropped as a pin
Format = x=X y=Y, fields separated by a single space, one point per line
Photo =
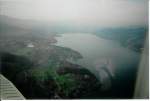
x=107 y=59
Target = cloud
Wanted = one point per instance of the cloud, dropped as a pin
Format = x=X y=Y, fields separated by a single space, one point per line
x=80 y=12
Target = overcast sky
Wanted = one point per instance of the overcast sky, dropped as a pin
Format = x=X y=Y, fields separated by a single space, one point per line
x=79 y=12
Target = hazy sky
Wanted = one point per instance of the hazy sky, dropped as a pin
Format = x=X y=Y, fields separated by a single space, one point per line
x=79 y=12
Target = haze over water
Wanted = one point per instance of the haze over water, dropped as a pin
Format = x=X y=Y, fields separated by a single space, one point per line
x=98 y=53
x=109 y=34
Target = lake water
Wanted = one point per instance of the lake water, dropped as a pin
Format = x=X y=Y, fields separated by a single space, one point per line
x=105 y=58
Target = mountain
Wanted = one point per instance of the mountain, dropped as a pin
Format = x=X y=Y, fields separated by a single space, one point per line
x=130 y=37
x=37 y=71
